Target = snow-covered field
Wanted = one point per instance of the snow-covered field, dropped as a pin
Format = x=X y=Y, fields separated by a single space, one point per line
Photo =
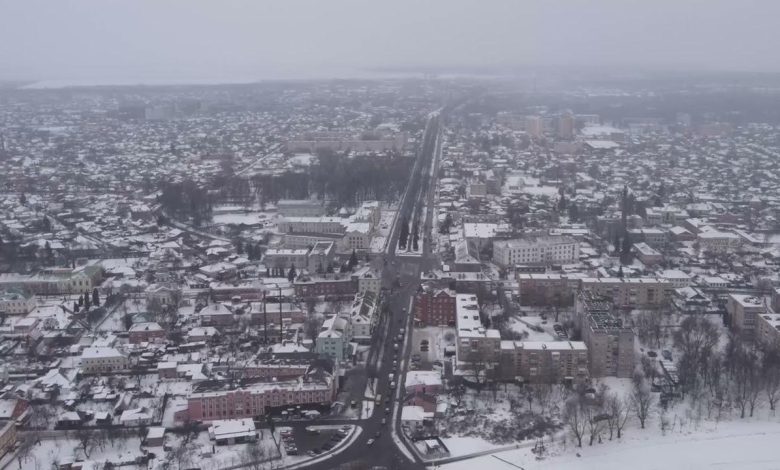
x=732 y=445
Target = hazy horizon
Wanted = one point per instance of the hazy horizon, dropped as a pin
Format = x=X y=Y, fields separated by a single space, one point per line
x=236 y=41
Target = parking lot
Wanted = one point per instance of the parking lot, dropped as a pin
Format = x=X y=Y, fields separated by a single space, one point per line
x=312 y=440
x=429 y=346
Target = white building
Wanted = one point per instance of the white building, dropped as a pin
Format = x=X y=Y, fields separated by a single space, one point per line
x=716 y=241
x=102 y=359
x=16 y=303
x=537 y=250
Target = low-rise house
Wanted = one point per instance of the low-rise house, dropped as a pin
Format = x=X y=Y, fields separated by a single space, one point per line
x=96 y=360
x=232 y=431
x=216 y=314
x=145 y=332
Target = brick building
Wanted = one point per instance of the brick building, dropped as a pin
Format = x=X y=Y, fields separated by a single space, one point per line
x=435 y=307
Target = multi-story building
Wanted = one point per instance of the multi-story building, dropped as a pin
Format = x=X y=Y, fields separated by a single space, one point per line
x=435 y=307
x=367 y=280
x=743 y=311
x=331 y=286
x=776 y=299
x=475 y=342
x=254 y=401
x=300 y=208
x=286 y=258
x=363 y=316
x=610 y=345
x=536 y=250
x=642 y=292
x=53 y=281
x=334 y=338
x=7 y=437
x=543 y=290
x=101 y=359
x=716 y=241
x=665 y=215
x=655 y=237
x=544 y=361
x=647 y=254
x=768 y=329
x=311 y=225
x=16 y=302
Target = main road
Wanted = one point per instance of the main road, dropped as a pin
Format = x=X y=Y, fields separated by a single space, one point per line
x=401 y=278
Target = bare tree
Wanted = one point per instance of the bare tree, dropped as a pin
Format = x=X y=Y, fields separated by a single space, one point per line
x=771 y=385
x=771 y=376
x=621 y=410
x=575 y=418
x=253 y=456
x=87 y=440
x=596 y=420
x=641 y=399
x=696 y=338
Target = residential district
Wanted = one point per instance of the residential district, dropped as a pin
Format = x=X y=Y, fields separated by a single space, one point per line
x=390 y=274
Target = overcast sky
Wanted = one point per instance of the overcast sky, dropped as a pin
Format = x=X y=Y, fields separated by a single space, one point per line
x=237 y=40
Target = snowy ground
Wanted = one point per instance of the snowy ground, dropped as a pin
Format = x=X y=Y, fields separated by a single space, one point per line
x=465 y=445
x=523 y=325
x=379 y=241
x=733 y=445
x=49 y=452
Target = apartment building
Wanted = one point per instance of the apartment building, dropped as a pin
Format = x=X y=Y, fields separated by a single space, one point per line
x=768 y=329
x=7 y=437
x=542 y=290
x=610 y=345
x=743 y=313
x=435 y=307
x=544 y=361
x=475 y=342
x=536 y=250
x=641 y=292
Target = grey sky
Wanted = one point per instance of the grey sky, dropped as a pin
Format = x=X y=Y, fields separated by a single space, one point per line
x=224 y=39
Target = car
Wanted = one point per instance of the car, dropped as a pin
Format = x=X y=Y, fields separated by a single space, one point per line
x=384 y=420
x=416 y=357
x=328 y=446
x=312 y=453
x=378 y=433
x=424 y=349
x=387 y=410
x=387 y=401
x=369 y=442
x=425 y=341
x=346 y=428
x=652 y=354
x=292 y=451
x=353 y=403
x=667 y=354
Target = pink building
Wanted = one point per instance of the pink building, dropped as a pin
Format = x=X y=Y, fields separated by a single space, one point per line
x=252 y=402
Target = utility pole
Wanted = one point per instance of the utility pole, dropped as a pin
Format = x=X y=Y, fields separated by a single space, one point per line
x=265 y=321
x=281 y=324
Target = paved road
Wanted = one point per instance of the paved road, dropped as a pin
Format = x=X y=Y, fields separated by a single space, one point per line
x=384 y=358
